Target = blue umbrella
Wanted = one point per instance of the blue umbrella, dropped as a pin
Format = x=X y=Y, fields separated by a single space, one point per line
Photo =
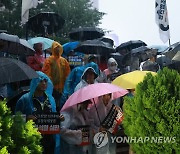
x=47 y=43
x=69 y=46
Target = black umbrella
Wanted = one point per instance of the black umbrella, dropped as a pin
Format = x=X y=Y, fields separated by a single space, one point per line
x=140 y=50
x=107 y=40
x=126 y=47
x=143 y=52
x=171 y=51
x=163 y=61
x=85 y=33
x=14 y=45
x=13 y=70
x=175 y=65
x=94 y=47
x=176 y=56
x=45 y=23
x=150 y=66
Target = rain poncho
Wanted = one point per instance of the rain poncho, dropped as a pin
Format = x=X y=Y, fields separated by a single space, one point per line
x=71 y=135
x=83 y=81
x=25 y=103
x=74 y=78
x=57 y=68
x=102 y=111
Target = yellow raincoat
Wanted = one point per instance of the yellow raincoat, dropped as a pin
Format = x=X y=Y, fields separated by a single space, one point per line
x=57 y=67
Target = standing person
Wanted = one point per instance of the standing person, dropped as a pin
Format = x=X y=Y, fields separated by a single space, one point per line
x=76 y=121
x=39 y=100
x=96 y=115
x=154 y=66
x=57 y=68
x=74 y=78
x=111 y=70
x=36 y=62
x=88 y=77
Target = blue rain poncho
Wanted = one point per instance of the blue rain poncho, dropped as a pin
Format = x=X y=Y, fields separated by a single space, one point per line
x=25 y=103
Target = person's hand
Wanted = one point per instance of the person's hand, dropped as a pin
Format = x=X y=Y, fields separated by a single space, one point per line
x=101 y=129
x=61 y=117
x=31 y=117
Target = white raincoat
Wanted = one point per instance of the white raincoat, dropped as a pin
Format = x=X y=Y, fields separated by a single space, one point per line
x=102 y=110
x=83 y=82
x=71 y=136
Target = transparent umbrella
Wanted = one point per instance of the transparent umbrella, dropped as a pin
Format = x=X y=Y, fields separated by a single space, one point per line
x=14 y=45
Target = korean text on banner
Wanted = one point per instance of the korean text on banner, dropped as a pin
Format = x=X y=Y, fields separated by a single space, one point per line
x=162 y=20
x=113 y=119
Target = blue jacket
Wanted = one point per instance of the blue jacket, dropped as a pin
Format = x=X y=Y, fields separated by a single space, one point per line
x=25 y=103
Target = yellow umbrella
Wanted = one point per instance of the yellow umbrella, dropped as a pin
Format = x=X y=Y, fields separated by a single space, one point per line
x=131 y=79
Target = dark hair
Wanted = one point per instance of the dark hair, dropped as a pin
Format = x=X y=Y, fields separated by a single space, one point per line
x=92 y=57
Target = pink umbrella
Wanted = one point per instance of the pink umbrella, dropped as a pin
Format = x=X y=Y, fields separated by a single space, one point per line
x=93 y=91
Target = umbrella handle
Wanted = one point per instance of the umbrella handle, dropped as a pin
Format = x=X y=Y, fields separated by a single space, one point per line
x=97 y=111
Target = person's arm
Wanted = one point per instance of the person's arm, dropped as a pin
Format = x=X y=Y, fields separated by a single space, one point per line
x=47 y=68
x=69 y=135
x=67 y=68
x=21 y=107
x=33 y=63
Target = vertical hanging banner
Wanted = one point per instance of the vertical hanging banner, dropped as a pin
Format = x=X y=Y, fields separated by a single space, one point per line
x=26 y=6
x=162 y=20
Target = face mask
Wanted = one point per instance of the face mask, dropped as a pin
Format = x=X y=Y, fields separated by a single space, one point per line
x=113 y=68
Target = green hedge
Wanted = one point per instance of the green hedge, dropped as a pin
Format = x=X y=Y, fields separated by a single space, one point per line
x=16 y=135
x=154 y=113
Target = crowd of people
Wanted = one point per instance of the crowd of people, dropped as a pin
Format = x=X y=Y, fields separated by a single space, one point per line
x=55 y=84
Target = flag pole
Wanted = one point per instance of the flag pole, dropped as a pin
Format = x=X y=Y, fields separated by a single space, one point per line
x=169 y=42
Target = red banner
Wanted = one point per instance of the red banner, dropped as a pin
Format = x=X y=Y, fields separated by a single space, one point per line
x=113 y=119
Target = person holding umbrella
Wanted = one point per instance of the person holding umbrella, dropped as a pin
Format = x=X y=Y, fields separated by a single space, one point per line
x=92 y=92
x=76 y=130
x=150 y=64
x=36 y=62
x=97 y=114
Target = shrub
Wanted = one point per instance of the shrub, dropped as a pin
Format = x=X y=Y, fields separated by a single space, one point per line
x=154 y=113
x=16 y=135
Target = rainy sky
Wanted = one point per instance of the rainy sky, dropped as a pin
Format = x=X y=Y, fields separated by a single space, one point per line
x=135 y=19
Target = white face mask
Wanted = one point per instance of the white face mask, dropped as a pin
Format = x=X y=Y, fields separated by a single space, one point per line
x=113 y=68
